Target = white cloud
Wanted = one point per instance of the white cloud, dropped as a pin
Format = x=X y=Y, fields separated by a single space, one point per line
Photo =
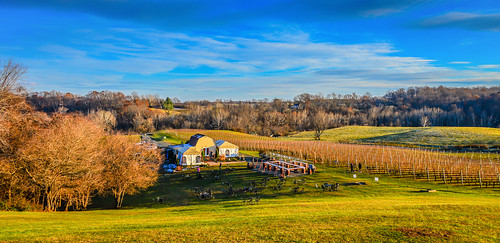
x=471 y=21
x=459 y=62
x=488 y=66
x=243 y=67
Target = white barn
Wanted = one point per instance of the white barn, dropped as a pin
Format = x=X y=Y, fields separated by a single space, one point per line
x=186 y=154
x=190 y=154
x=227 y=149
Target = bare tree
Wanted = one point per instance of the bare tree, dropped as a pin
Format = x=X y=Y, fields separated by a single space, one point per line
x=106 y=118
x=424 y=121
x=16 y=126
x=128 y=168
x=320 y=122
x=10 y=76
x=219 y=116
x=63 y=161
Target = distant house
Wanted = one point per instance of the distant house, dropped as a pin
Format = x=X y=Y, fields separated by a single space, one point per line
x=228 y=149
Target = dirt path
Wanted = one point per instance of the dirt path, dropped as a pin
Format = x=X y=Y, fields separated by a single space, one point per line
x=209 y=163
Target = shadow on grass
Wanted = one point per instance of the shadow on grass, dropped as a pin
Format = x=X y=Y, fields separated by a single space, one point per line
x=395 y=138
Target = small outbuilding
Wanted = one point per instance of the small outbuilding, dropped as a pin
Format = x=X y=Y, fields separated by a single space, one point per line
x=227 y=149
x=186 y=154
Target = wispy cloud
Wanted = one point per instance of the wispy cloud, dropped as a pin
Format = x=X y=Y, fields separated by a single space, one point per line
x=488 y=66
x=196 y=67
x=459 y=62
x=156 y=52
x=462 y=20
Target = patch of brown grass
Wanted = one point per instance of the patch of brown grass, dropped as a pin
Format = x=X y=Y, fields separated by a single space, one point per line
x=415 y=232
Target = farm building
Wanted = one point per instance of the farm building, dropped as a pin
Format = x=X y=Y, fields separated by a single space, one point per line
x=199 y=145
x=186 y=154
x=227 y=149
x=190 y=153
x=204 y=144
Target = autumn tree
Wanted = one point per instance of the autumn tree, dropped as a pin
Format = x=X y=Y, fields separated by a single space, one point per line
x=128 y=167
x=63 y=161
x=17 y=124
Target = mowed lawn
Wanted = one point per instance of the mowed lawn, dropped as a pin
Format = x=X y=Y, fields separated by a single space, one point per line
x=433 y=136
x=392 y=209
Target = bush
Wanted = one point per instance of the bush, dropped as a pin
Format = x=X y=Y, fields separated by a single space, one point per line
x=221 y=158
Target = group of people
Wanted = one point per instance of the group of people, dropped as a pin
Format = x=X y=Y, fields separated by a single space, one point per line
x=353 y=167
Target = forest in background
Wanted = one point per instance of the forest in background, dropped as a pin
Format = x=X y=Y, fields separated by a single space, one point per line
x=412 y=107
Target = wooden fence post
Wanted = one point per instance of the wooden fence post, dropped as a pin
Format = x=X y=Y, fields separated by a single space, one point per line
x=480 y=181
x=413 y=167
x=444 y=176
x=399 y=165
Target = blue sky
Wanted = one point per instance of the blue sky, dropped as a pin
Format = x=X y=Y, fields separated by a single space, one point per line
x=242 y=50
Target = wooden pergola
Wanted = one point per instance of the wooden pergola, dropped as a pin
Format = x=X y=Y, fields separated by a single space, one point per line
x=282 y=168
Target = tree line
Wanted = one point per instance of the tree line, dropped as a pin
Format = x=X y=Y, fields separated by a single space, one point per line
x=60 y=161
x=412 y=107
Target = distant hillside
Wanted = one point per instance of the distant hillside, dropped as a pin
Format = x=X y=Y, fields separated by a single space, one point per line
x=420 y=136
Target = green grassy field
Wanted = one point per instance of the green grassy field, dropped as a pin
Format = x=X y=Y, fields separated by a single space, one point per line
x=171 y=138
x=476 y=137
x=430 y=136
x=391 y=210
x=250 y=153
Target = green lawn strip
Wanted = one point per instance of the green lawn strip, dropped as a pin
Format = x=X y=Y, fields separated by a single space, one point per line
x=250 y=153
x=430 y=136
x=333 y=219
x=390 y=210
x=167 y=137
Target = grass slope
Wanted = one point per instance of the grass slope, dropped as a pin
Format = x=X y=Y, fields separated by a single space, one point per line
x=167 y=137
x=391 y=210
x=430 y=136
x=182 y=135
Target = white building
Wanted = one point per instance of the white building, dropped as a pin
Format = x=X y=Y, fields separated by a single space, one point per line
x=186 y=154
x=227 y=149
x=199 y=145
x=191 y=153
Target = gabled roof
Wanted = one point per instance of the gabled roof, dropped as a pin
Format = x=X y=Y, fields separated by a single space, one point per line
x=224 y=144
x=185 y=149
